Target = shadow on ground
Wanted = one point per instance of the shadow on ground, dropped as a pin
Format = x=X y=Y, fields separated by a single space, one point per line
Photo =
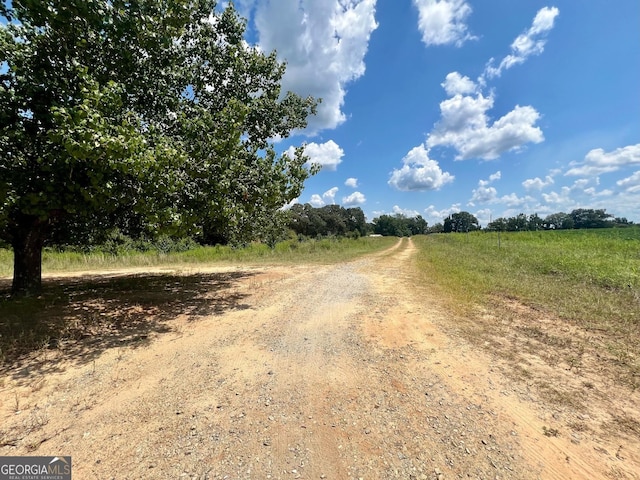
x=83 y=317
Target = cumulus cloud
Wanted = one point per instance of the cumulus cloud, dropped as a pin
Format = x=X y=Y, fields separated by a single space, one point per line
x=353 y=200
x=327 y=198
x=484 y=194
x=537 y=183
x=330 y=195
x=328 y=155
x=324 y=43
x=351 y=182
x=495 y=176
x=598 y=161
x=529 y=43
x=407 y=212
x=435 y=216
x=465 y=126
x=513 y=200
x=419 y=172
x=455 y=84
x=316 y=201
x=443 y=22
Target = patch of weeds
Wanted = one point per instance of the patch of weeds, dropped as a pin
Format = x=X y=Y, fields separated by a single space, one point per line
x=627 y=424
x=38 y=384
x=38 y=418
x=578 y=426
x=543 y=337
x=550 y=432
x=561 y=397
x=521 y=372
x=574 y=362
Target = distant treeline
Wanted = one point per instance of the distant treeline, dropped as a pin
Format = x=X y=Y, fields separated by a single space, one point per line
x=334 y=220
x=579 y=218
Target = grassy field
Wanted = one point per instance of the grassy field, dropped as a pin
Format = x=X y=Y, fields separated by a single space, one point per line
x=588 y=279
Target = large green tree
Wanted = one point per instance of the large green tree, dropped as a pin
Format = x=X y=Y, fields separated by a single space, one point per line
x=152 y=115
x=461 y=222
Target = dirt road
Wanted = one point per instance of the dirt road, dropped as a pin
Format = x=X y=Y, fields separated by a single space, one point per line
x=333 y=372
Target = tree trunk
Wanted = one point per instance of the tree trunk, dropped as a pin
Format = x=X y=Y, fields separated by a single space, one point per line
x=27 y=242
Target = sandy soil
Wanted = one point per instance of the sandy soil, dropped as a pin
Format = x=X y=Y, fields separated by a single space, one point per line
x=336 y=372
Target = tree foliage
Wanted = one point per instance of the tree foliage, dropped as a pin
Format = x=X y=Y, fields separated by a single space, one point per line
x=399 y=225
x=148 y=115
x=460 y=222
x=579 y=218
x=330 y=220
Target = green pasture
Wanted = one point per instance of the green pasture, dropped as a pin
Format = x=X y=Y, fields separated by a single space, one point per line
x=586 y=278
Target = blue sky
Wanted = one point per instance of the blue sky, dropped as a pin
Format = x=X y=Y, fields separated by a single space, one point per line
x=495 y=107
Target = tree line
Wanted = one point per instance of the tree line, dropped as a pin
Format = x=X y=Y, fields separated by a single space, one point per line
x=334 y=220
x=578 y=219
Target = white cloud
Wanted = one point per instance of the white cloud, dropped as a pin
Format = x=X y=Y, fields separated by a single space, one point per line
x=327 y=198
x=484 y=216
x=324 y=43
x=419 y=172
x=435 y=216
x=630 y=184
x=293 y=202
x=484 y=194
x=495 y=176
x=330 y=195
x=464 y=125
x=582 y=183
x=316 y=201
x=351 y=182
x=555 y=198
x=455 y=84
x=537 y=183
x=512 y=200
x=598 y=161
x=530 y=43
x=442 y=22
x=328 y=155
x=355 y=199
x=407 y=212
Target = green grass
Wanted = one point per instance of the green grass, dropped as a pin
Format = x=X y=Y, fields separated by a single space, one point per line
x=587 y=278
x=575 y=273
x=291 y=251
